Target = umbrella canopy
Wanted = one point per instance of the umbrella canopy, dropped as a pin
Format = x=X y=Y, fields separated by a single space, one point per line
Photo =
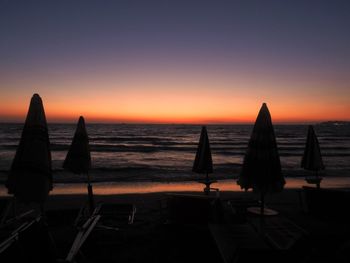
x=78 y=159
x=312 y=158
x=261 y=168
x=203 y=162
x=30 y=178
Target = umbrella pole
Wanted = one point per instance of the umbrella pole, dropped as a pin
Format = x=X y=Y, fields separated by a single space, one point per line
x=262 y=217
x=90 y=195
x=207 y=184
x=14 y=207
x=262 y=204
x=318 y=182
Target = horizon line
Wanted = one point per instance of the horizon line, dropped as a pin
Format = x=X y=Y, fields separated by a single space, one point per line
x=179 y=123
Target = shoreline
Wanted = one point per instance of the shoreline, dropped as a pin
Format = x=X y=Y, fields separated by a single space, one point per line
x=148 y=187
x=62 y=177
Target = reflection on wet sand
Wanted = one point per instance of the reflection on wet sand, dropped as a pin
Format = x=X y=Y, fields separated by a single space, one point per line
x=190 y=186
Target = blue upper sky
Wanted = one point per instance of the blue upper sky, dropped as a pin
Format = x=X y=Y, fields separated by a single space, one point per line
x=39 y=32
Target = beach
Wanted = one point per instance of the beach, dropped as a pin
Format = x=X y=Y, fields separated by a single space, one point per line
x=150 y=238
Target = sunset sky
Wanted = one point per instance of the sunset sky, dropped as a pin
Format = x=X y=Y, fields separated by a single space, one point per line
x=176 y=61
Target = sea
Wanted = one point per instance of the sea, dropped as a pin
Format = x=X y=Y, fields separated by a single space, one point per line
x=165 y=153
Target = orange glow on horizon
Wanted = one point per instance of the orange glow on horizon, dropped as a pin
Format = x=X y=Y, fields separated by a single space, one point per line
x=177 y=103
x=215 y=114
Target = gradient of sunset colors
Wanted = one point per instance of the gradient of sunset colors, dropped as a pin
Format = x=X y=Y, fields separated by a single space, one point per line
x=176 y=61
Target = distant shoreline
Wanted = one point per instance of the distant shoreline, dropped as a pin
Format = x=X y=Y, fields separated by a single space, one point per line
x=335 y=123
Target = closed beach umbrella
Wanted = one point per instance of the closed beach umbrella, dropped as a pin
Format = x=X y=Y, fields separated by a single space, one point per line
x=78 y=159
x=312 y=158
x=203 y=163
x=261 y=170
x=30 y=178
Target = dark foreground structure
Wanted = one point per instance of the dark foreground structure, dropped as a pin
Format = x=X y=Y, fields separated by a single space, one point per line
x=184 y=227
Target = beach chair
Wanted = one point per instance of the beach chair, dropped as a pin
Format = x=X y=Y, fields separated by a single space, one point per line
x=342 y=254
x=29 y=243
x=13 y=236
x=63 y=217
x=81 y=216
x=114 y=215
x=81 y=237
x=9 y=246
x=3 y=208
x=280 y=232
x=239 y=243
x=238 y=208
x=85 y=211
x=328 y=204
x=193 y=209
x=7 y=210
x=186 y=242
x=8 y=214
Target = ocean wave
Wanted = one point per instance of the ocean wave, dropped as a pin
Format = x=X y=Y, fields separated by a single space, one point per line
x=229 y=150
x=173 y=146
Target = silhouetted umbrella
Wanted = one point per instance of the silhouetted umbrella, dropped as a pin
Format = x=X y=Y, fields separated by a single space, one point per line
x=261 y=168
x=312 y=158
x=203 y=161
x=30 y=178
x=78 y=159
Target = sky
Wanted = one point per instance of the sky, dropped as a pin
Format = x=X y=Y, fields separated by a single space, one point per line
x=176 y=61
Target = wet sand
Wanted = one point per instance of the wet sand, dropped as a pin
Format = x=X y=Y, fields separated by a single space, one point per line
x=145 y=187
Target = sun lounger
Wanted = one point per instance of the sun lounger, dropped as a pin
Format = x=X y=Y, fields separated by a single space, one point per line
x=9 y=249
x=17 y=218
x=238 y=208
x=7 y=213
x=30 y=242
x=239 y=243
x=114 y=215
x=13 y=237
x=330 y=204
x=193 y=209
x=82 y=236
x=4 y=203
x=256 y=210
x=62 y=217
x=83 y=214
x=280 y=232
